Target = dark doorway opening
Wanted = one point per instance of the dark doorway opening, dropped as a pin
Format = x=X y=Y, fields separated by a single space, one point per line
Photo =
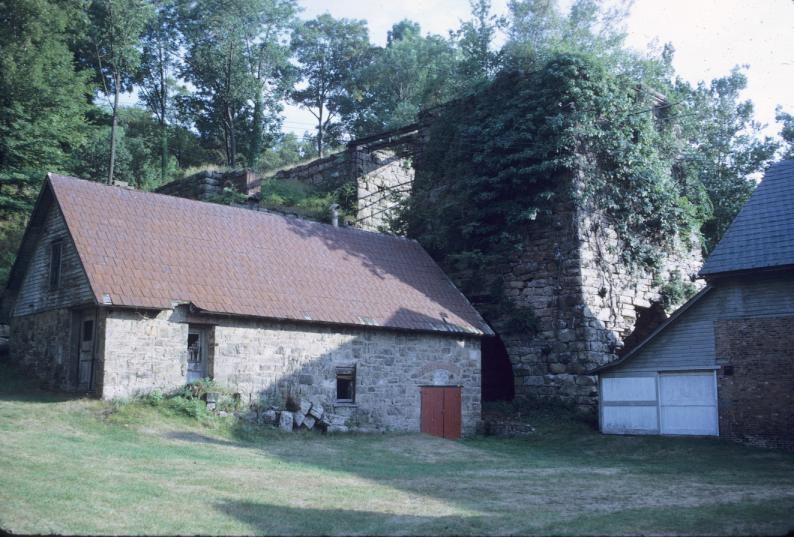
x=648 y=320
x=497 y=371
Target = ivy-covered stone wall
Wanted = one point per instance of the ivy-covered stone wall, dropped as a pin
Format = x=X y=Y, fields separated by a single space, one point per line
x=584 y=299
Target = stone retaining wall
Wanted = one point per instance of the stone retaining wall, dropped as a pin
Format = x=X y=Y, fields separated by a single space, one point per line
x=330 y=172
x=204 y=186
x=384 y=179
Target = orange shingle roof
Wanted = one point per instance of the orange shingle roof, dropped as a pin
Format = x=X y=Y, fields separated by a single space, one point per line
x=150 y=250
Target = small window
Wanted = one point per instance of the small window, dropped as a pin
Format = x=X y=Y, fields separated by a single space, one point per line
x=346 y=384
x=55 y=264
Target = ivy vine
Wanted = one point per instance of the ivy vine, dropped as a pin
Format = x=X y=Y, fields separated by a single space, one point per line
x=497 y=162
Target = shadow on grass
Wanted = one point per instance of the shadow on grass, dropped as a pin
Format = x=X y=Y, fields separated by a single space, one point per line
x=189 y=436
x=268 y=519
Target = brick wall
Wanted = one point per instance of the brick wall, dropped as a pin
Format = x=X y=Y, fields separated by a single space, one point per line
x=756 y=401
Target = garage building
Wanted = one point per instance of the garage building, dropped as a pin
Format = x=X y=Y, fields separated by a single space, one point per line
x=723 y=363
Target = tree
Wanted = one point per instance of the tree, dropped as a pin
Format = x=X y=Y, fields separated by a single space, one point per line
x=787 y=132
x=266 y=23
x=722 y=147
x=475 y=39
x=159 y=59
x=236 y=59
x=411 y=73
x=328 y=52
x=43 y=102
x=538 y=29
x=288 y=149
x=116 y=29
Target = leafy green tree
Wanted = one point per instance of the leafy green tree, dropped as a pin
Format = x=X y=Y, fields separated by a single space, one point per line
x=237 y=60
x=289 y=149
x=722 y=146
x=329 y=51
x=159 y=60
x=115 y=35
x=137 y=143
x=475 y=39
x=43 y=102
x=215 y=65
x=538 y=29
x=411 y=73
x=266 y=24
x=787 y=132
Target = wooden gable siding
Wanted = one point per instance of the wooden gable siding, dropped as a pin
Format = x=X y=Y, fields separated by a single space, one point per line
x=689 y=341
x=35 y=294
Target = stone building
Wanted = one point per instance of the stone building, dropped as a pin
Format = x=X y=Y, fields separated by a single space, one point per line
x=570 y=274
x=723 y=363
x=586 y=301
x=119 y=292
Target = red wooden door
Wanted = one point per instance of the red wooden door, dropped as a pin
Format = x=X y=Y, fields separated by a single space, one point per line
x=440 y=412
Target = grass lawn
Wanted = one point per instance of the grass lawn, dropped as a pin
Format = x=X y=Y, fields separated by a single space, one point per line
x=73 y=466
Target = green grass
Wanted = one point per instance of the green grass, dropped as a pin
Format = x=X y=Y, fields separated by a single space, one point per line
x=89 y=467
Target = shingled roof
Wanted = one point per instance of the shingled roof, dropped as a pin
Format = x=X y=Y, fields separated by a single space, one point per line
x=148 y=250
x=762 y=234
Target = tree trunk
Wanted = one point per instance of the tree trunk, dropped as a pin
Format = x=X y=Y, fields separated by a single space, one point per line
x=232 y=156
x=256 y=129
x=320 y=133
x=116 y=90
x=163 y=124
x=164 y=149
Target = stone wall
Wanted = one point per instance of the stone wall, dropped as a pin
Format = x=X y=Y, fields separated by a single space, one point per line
x=141 y=351
x=205 y=185
x=755 y=385
x=584 y=298
x=269 y=361
x=45 y=344
x=384 y=179
x=273 y=360
x=329 y=172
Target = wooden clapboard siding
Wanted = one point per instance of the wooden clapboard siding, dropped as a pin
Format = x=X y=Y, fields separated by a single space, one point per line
x=689 y=340
x=35 y=294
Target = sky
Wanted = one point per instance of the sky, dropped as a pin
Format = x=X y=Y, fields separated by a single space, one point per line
x=709 y=36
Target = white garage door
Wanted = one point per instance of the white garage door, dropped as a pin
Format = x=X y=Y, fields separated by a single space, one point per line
x=628 y=405
x=688 y=403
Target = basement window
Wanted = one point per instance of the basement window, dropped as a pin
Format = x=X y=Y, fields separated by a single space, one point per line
x=56 y=249
x=346 y=384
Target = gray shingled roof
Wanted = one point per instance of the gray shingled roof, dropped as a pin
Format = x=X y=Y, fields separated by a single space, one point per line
x=762 y=234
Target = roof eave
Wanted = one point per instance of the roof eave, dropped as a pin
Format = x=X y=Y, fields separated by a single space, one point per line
x=710 y=276
x=209 y=313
